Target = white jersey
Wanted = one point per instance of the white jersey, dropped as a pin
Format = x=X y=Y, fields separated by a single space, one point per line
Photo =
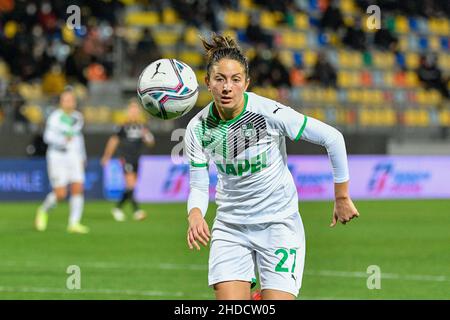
x=64 y=137
x=254 y=182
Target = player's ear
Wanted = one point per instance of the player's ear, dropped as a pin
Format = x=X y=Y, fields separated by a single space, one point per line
x=207 y=82
x=247 y=82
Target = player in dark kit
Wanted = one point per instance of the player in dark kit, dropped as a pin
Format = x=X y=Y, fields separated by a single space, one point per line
x=130 y=138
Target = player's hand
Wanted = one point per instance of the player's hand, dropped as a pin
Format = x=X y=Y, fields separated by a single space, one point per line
x=104 y=161
x=198 y=230
x=344 y=211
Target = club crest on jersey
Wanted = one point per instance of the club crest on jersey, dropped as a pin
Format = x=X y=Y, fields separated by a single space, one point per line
x=248 y=130
x=207 y=136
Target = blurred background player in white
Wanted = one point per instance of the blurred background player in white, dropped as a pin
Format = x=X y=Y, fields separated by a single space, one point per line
x=66 y=160
x=130 y=138
x=257 y=228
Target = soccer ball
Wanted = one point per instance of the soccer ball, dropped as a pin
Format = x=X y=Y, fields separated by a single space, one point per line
x=167 y=89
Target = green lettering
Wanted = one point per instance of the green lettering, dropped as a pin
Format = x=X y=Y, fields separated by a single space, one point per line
x=220 y=167
x=230 y=169
x=241 y=168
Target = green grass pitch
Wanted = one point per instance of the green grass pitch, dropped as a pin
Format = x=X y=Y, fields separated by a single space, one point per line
x=409 y=240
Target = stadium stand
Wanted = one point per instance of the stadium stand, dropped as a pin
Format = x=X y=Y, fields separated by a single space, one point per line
x=333 y=66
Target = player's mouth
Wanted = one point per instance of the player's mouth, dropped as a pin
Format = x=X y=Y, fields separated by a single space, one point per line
x=225 y=100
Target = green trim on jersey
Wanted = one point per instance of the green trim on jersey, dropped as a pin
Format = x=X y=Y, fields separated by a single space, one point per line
x=198 y=165
x=231 y=120
x=212 y=131
x=301 y=129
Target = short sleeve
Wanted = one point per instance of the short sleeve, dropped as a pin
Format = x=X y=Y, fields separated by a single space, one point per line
x=291 y=123
x=120 y=132
x=195 y=153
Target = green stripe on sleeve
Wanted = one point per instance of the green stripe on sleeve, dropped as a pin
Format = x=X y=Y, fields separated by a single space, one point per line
x=198 y=165
x=301 y=129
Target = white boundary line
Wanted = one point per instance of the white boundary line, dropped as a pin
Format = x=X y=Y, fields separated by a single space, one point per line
x=200 y=267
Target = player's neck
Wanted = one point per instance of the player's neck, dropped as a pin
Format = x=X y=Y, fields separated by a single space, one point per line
x=228 y=114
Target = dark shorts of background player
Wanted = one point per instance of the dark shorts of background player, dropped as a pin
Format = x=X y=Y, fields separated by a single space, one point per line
x=129 y=165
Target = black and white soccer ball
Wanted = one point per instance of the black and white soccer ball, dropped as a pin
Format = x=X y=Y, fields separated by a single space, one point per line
x=167 y=89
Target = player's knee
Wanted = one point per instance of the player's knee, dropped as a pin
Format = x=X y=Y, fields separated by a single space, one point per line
x=61 y=194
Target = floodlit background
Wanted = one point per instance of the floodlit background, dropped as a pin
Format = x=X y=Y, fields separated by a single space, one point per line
x=386 y=89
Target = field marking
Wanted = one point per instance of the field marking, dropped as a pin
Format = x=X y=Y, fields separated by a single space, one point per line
x=97 y=291
x=177 y=294
x=201 y=267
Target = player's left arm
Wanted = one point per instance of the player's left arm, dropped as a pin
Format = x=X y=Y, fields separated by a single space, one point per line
x=148 y=137
x=298 y=126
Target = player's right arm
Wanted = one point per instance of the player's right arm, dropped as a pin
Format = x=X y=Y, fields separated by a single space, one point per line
x=110 y=148
x=198 y=200
x=53 y=134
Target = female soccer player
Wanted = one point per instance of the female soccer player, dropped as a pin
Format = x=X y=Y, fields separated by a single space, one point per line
x=129 y=138
x=257 y=227
x=66 y=158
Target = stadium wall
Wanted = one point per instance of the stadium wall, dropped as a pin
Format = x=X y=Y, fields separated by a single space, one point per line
x=162 y=180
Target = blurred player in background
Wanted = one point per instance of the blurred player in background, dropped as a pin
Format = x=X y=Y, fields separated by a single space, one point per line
x=257 y=228
x=130 y=138
x=66 y=160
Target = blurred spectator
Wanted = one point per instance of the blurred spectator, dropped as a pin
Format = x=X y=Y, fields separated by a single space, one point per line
x=279 y=74
x=266 y=69
x=431 y=76
x=256 y=35
x=95 y=71
x=332 y=18
x=15 y=103
x=146 y=52
x=384 y=39
x=323 y=72
x=54 y=80
x=354 y=37
x=297 y=75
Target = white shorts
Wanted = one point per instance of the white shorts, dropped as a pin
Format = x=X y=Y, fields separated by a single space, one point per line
x=62 y=172
x=274 y=250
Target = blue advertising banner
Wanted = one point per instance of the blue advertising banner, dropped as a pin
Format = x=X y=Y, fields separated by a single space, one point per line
x=26 y=179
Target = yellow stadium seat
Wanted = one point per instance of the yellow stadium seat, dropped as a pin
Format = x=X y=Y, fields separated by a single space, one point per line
x=236 y=19
x=388 y=78
x=169 y=16
x=444 y=27
x=309 y=58
x=423 y=118
x=433 y=43
x=33 y=113
x=200 y=74
x=343 y=79
x=433 y=25
x=267 y=20
x=318 y=113
x=411 y=79
x=301 y=21
x=191 y=36
x=412 y=60
x=204 y=97
x=389 y=117
x=444 y=117
x=403 y=43
x=230 y=33
x=192 y=58
x=293 y=40
x=421 y=96
x=287 y=58
x=365 y=117
x=383 y=60
x=141 y=18
x=344 y=58
x=246 y=4
x=434 y=97
x=401 y=24
x=166 y=38
x=348 y=7
x=330 y=96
